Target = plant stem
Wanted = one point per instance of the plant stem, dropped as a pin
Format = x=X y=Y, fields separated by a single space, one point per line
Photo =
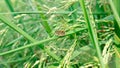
x=44 y=12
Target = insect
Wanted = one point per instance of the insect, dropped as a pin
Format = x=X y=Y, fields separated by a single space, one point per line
x=60 y=32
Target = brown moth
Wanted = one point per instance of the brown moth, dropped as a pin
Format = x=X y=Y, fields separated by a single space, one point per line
x=60 y=32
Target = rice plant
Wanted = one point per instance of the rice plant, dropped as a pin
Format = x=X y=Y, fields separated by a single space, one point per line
x=59 y=34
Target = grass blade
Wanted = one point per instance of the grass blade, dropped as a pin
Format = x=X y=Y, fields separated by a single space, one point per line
x=44 y=12
x=27 y=46
x=39 y=42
